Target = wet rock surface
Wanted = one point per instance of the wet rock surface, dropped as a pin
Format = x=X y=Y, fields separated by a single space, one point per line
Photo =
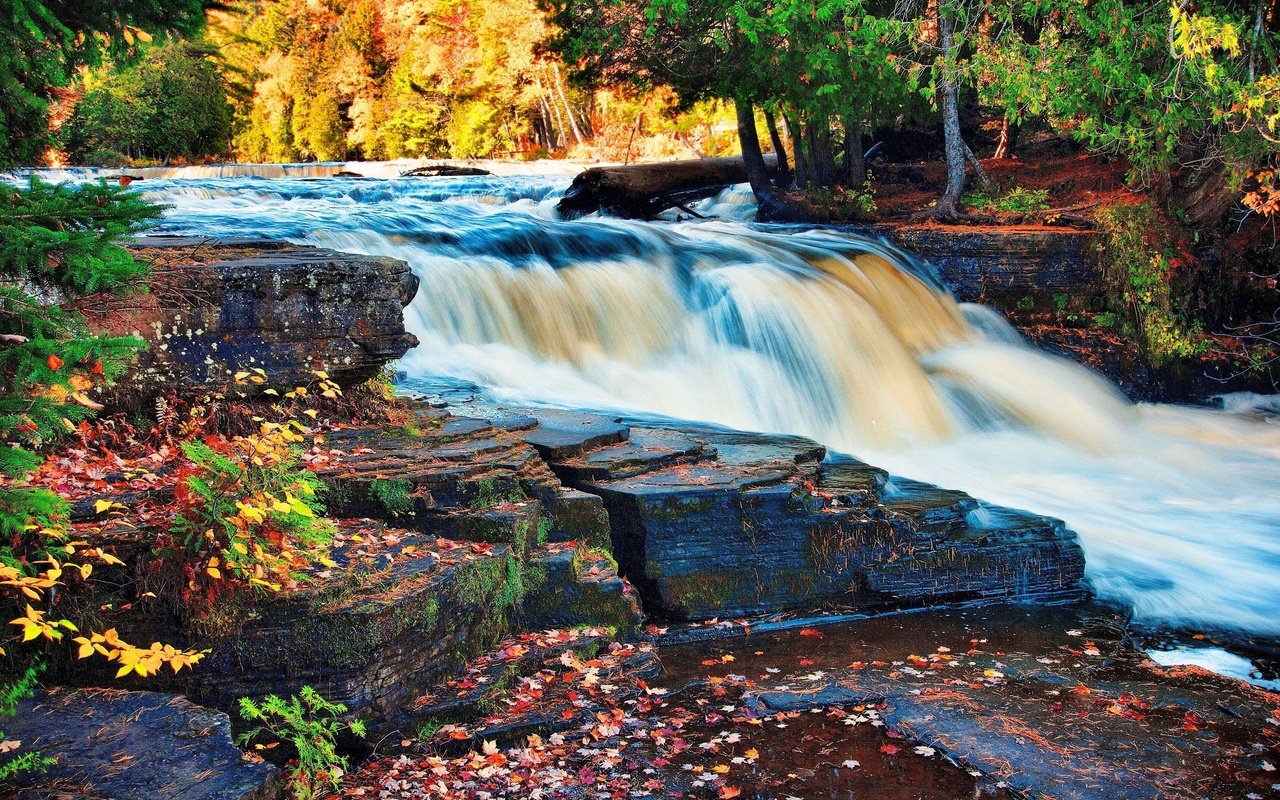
x=444 y=546
x=219 y=307
x=118 y=745
x=709 y=522
x=977 y=265
x=1041 y=702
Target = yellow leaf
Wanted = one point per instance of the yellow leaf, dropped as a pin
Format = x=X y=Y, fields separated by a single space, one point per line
x=214 y=573
x=311 y=412
x=80 y=398
x=100 y=506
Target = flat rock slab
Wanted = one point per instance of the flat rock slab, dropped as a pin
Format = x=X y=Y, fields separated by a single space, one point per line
x=119 y=745
x=824 y=696
x=1046 y=702
x=564 y=434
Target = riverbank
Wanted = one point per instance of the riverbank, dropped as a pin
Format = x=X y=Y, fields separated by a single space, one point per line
x=479 y=543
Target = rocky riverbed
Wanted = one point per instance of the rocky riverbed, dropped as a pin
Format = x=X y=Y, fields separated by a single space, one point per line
x=525 y=600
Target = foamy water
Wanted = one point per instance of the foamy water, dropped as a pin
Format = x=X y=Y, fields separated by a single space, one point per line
x=814 y=333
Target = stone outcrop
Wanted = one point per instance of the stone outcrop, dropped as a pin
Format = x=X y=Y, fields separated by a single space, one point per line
x=119 y=745
x=709 y=523
x=221 y=307
x=992 y=264
x=455 y=531
x=453 y=534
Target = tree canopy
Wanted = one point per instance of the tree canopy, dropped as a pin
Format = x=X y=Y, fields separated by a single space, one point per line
x=43 y=42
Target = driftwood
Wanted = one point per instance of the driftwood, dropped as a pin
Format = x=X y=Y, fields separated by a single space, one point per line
x=443 y=171
x=642 y=191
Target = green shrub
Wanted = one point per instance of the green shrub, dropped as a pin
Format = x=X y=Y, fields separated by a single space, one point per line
x=10 y=695
x=1137 y=268
x=1015 y=201
x=311 y=725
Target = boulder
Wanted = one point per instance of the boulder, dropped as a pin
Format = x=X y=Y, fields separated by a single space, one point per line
x=111 y=744
x=221 y=307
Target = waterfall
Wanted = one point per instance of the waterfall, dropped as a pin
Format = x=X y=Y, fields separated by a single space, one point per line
x=811 y=332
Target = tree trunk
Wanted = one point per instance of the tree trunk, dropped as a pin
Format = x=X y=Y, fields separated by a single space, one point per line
x=564 y=98
x=561 y=135
x=778 y=147
x=822 y=158
x=642 y=191
x=1008 y=140
x=767 y=204
x=948 y=206
x=803 y=175
x=855 y=168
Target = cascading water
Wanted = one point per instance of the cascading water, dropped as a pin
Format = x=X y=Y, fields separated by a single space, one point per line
x=806 y=332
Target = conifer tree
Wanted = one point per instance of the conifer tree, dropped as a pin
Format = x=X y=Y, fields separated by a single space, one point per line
x=42 y=42
x=57 y=245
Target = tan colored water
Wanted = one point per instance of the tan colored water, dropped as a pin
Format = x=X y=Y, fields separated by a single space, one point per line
x=812 y=333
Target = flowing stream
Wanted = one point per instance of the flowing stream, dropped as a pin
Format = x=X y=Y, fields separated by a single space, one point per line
x=810 y=332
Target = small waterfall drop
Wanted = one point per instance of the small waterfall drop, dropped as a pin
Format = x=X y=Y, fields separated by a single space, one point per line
x=810 y=332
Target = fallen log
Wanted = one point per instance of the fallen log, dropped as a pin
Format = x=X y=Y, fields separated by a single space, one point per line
x=444 y=171
x=642 y=191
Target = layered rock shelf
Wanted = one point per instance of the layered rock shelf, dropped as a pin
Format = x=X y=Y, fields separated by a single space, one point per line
x=1003 y=264
x=218 y=307
x=711 y=523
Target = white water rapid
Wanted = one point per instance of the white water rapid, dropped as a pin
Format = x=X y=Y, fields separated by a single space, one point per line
x=805 y=332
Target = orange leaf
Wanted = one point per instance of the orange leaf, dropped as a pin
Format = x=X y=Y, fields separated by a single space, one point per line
x=55 y=363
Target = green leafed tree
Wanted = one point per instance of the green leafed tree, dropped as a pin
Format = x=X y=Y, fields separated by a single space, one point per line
x=172 y=103
x=43 y=42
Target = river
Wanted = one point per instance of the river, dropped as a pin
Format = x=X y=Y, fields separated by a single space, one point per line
x=810 y=332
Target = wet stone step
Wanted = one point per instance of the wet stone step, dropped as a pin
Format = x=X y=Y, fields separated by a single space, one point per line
x=930 y=508
x=566 y=434
x=111 y=744
x=852 y=481
x=642 y=453
x=758 y=449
